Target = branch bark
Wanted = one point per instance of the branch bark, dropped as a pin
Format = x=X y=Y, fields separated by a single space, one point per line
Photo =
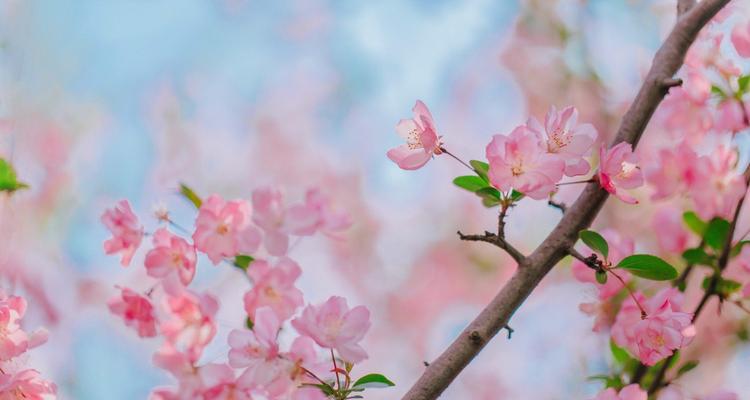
x=668 y=59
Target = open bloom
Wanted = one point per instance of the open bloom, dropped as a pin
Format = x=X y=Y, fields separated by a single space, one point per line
x=14 y=341
x=26 y=384
x=630 y=392
x=421 y=138
x=171 y=255
x=269 y=213
x=136 y=310
x=220 y=384
x=191 y=324
x=619 y=170
x=274 y=287
x=248 y=347
x=653 y=338
x=673 y=171
x=518 y=161
x=333 y=325
x=741 y=39
x=562 y=135
x=670 y=230
x=720 y=185
x=317 y=214
x=223 y=229
x=127 y=232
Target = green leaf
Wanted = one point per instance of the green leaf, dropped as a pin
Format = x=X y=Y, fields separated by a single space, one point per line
x=373 y=381
x=743 y=83
x=724 y=287
x=619 y=354
x=717 y=91
x=249 y=323
x=489 y=193
x=242 y=261
x=716 y=233
x=694 y=222
x=601 y=277
x=595 y=242
x=327 y=390
x=470 y=182
x=481 y=168
x=609 y=381
x=8 y=179
x=738 y=247
x=698 y=256
x=687 y=367
x=516 y=195
x=648 y=267
x=489 y=203
x=189 y=194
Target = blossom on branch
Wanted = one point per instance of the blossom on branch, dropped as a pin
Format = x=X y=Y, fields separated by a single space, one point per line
x=422 y=140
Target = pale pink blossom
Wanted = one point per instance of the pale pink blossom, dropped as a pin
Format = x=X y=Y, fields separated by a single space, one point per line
x=619 y=248
x=250 y=347
x=519 y=162
x=741 y=39
x=421 y=137
x=14 y=341
x=224 y=229
x=190 y=326
x=333 y=325
x=686 y=114
x=603 y=314
x=182 y=367
x=705 y=53
x=730 y=116
x=562 y=135
x=136 y=310
x=720 y=186
x=673 y=171
x=664 y=329
x=171 y=255
x=670 y=231
x=269 y=213
x=317 y=214
x=27 y=385
x=274 y=287
x=629 y=392
x=127 y=232
x=220 y=383
x=619 y=170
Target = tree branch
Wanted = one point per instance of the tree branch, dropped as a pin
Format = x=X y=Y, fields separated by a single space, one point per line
x=498 y=241
x=668 y=59
x=684 y=6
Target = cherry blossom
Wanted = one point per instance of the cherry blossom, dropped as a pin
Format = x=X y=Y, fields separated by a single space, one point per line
x=127 y=233
x=670 y=230
x=14 y=341
x=518 y=161
x=333 y=325
x=224 y=229
x=673 y=171
x=220 y=383
x=619 y=170
x=741 y=39
x=171 y=255
x=136 y=310
x=26 y=384
x=664 y=329
x=629 y=392
x=318 y=214
x=422 y=140
x=562 y=135
x=269 y=213
x=250 y=346
x=190 y=325
x=720 y=185
x=273 y=286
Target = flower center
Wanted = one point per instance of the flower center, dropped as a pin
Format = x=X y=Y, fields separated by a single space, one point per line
x=558 y=139
x=413 y=140
x=517 y=169
x=222 y=229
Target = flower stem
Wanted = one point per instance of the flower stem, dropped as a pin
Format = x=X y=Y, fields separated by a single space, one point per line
x=443 y=149
x=336 y=369
x=630 y=291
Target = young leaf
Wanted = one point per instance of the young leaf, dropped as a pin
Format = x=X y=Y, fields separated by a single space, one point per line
x=738 y=247
x=601 y=277
x=595 y=242
x=742 y=83
x=724 y=287
x=189 y=194
x=373 y=381
x=8 y=179
x=489 y=193
x=698 y=256
x=716 y=233
x=470 y=182
x=687 y=367
x=648 y=267
x=249 y=323
x=619 y=354
x=694 y=222
x=515 y=195
x=481 y=168
x=717 y=91
x=242 y=261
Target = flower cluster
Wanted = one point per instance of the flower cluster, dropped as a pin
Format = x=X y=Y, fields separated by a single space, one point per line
x=235 y=232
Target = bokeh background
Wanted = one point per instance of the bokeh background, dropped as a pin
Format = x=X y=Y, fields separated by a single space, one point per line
x=103 y=100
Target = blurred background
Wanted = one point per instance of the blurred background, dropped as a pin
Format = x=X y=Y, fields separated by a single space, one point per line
x=103 y=100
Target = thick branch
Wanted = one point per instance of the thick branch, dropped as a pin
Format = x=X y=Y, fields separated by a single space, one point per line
x=441 y=372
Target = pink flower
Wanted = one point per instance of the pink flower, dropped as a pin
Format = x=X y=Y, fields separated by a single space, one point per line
x=665 y=329
x=317 y=214
x=27 y=385
x=730 y=116
x=127 y=232
x=136 y=310
x=562 y=135
x=619 y=248
x=601 y=311
x=269 y=214
x=220 y=384
x=630 y=392
x=14 y=341
x=719 y=186
x=619 y=170
x=274 y=287
x=333 y=325
x=670 y=230
x=249 y=347
x=171 y=255
x=741 y=39
x=685 y=112
x=421 y=138
x=518 y=161
x=673 y=171
x=191 y=326
x=223 y=229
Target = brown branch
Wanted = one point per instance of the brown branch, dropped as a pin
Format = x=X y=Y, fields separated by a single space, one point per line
x=498 y=241
x=684 y=6
x=668 y=59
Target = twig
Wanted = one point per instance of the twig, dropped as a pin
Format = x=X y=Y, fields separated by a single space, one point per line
x=498 y=241
x=668 y=59
x=444 y=150
x=558 y=205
